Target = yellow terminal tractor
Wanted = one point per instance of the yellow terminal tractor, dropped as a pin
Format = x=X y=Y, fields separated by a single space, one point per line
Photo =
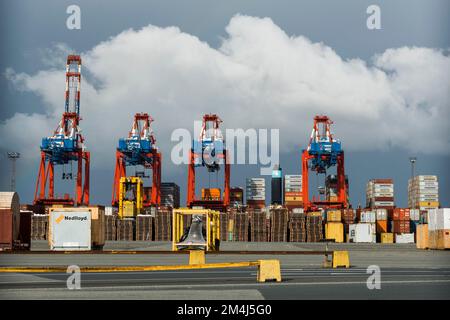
x=130 y=197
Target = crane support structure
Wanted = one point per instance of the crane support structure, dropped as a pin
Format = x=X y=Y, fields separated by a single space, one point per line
x=139 y=149
x=65 y=147
x=209 y=151
x=322 y=153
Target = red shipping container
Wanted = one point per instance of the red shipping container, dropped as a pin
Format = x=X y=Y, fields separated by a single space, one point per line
x=6 y=229
x=401 y=226
x=399 y=214
x=381 y=181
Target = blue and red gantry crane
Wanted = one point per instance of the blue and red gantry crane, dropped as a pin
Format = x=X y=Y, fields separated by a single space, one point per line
x=209 y=151
x=65 y=146
x=323 y=152
x=139 y=149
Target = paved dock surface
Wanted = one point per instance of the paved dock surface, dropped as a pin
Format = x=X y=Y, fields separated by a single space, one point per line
x=406 y=273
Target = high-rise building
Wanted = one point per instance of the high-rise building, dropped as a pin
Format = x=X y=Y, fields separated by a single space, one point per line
x=170 y=194
x=277 y=186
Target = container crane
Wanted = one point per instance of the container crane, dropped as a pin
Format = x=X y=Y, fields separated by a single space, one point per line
x=65 y=147
x=209 y=151
x=139 y=149
x=323 y=152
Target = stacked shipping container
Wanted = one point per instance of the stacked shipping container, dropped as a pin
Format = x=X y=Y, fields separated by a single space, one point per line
x=380 y=194
x=256 y=192
x=293 y=197
x=423 y=192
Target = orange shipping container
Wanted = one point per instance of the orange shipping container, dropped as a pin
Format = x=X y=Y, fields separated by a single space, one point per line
x=422 y=236
x=382 y=226
x=211 y=194
x=443 y=239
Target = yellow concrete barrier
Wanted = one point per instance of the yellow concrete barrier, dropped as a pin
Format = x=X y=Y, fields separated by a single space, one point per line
x=269 y=270
x=341 y=259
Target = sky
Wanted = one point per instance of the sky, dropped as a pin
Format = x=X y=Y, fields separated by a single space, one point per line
x=258 y=64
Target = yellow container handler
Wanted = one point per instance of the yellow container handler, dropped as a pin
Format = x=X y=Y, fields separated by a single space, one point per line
x=130 y=197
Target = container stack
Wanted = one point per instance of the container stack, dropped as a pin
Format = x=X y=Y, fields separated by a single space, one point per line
x=110 y=226
x=439 y=228
x=278 y=224
x=348 y=218
x=39 y=225
x=240 y=227
x=144 y=227
x=400 y=220
x=170 y=195
x=314 y=229
x=368 y=216
x=380 y=194
x=334 y=228
x=293 y=197
x=297 y=227
x=382 y=226
x=423 y=192
x=256 y=192
x=258 y=225
x=163 y=224
x=223 y=217
x=401 y=225
x=125 y=229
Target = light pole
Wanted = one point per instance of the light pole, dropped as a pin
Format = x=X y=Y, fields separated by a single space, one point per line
x=13 y=156
x=413 y=161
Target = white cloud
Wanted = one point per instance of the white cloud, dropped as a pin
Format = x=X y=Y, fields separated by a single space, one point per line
x=260 y=77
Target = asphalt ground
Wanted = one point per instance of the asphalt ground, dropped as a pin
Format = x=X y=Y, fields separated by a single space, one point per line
x=406 y=273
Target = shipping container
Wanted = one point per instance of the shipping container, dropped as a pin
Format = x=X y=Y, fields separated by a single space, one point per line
x=362 y=233
x=404 y=238
x=386 y=237
x=382 y=226
x=422 y=236
x=334 y=231
x=334 y=216
x=70 y=230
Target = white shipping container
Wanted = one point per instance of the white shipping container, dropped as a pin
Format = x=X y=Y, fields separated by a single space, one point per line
x=443 y=219
x=368 y=217
x=361 y=233
x=425 y=178
x=381 y=194
x=414 y=214
x=383 y=203
x=432 y=220
x=404 y=238
x=381 y=214
x=70 y=230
